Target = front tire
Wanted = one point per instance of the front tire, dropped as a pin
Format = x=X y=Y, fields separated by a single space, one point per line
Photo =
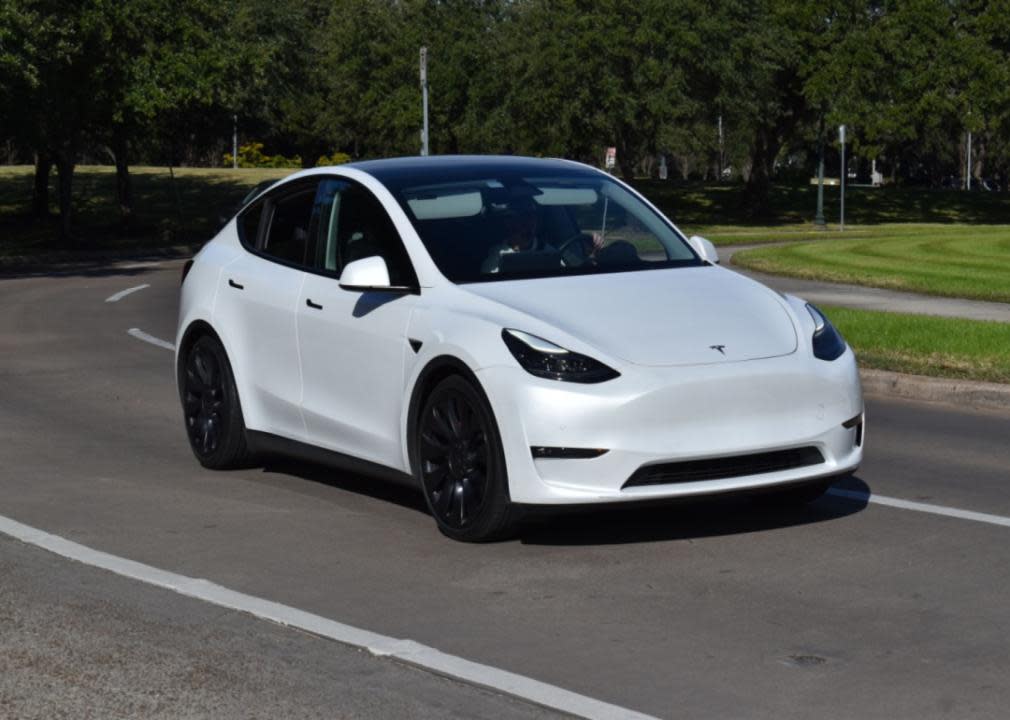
x=211 y=409
x=461 y=464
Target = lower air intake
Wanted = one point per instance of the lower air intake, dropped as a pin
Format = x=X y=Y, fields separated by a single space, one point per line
x=725 y=467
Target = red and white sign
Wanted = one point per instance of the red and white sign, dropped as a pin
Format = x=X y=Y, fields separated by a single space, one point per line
x=611 y=160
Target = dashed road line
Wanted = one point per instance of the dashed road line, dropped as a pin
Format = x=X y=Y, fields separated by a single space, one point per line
x=921 y=507
x=123 y=293
x=408 y=651
x=141 y=335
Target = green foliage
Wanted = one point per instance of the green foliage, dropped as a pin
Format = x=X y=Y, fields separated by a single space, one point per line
x=164 y=80
x=337 y=158
x=251 y=155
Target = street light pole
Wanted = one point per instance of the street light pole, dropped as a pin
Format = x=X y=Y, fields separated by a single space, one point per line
x=234 y=142
x=424 y=99
x=967 y=173
x=722 y=152
x=841 y=137
x=819 y=218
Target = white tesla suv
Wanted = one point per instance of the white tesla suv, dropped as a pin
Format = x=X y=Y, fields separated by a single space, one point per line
x=505 y=331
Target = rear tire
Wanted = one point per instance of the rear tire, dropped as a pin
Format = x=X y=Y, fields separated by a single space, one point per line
x=461 y=465
x=211 y=408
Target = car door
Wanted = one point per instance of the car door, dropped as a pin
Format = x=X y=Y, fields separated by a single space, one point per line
x=256 y=306
x=353 y=343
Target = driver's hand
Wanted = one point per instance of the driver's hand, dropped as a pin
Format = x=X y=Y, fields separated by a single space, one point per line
x=597 y=242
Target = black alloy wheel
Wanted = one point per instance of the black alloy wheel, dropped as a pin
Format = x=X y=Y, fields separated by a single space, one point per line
x=461 y=464
x=213 y=417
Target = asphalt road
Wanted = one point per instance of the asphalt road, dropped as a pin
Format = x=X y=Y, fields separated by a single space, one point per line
x=719 y=609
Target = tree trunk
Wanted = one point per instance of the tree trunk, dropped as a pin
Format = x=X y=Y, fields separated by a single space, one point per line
x=40 y=191
x=124 y=193
x=766 y=149
x=65 y=168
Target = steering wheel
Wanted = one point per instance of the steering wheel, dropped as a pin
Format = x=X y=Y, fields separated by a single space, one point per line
x=566 y=255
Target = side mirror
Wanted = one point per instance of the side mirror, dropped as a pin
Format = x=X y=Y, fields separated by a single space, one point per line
x=704 y=248
x=369 y=274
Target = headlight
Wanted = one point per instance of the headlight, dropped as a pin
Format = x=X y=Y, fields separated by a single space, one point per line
x=828 y=342
x=547 y=360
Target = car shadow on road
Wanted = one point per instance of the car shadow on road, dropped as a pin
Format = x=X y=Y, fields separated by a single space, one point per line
x=687 y=519
x=398 y=492
x=602 y=525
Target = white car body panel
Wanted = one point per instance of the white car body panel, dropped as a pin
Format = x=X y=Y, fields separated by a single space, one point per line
x=679 y=314
x=260 y=322
x=352 y=354
x=342 y=377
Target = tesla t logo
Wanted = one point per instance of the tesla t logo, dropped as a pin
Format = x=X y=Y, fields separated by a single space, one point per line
x=720 y=348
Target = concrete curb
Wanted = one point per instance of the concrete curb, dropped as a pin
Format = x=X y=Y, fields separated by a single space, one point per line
x=967 y=393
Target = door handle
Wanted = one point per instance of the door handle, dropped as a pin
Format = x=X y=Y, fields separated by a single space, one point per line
x=235 y=284
x=314 y=306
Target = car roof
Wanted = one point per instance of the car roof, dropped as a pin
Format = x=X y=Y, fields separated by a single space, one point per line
x=395 y=172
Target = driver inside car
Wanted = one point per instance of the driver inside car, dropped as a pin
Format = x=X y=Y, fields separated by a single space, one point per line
x=522 y=236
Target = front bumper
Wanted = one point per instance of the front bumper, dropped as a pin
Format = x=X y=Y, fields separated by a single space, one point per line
x=662 y=415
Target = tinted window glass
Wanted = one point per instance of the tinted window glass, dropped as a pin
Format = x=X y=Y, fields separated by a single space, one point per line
x=502 y=226
x=248 y=224
x=288 y=235
x=352 y=224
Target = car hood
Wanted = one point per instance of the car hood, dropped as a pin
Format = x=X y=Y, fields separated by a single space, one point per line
x=681 y=316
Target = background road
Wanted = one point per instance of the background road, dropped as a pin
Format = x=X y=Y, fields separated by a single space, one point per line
x=869 y=298
x=715 y=609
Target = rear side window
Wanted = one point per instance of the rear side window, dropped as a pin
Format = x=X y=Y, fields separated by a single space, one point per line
x=287 y=237
x=249 y=223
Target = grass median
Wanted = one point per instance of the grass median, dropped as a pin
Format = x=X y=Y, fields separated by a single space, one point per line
x=967 y=261
x=926 y=345
x=167 y=211
x=185 y=210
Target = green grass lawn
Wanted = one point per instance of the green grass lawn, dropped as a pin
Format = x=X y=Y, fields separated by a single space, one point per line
x=924 y=345
x=186 y=211
x=956 y=261
x=165 y=213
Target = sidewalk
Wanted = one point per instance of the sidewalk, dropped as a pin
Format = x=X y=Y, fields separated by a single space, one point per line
x=869 y=298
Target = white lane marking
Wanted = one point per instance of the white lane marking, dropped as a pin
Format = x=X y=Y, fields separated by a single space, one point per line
x=922 y=507
x=141 y=335
x=408 y=651
x=123 y=293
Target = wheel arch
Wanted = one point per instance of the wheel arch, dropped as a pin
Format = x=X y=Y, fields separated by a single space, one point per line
x=194 y=331
x=436 y=370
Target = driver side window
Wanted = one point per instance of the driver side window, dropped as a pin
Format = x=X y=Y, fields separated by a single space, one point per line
x=352 y=225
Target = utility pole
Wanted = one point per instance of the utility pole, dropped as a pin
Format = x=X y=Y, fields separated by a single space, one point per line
x=234 y=142
x=722 y=151
x=424 y=99
x=967 y=174
x=819 y=218
x=841 y=138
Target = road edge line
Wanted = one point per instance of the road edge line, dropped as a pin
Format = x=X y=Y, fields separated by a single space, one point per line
x=921 y=507
x=116 y=297
x=141 y=335
x=406 y=651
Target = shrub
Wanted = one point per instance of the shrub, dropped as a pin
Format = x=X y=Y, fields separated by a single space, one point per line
x=251 y=155
x=337 y=158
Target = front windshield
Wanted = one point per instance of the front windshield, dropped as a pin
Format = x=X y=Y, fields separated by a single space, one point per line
x=507 y=227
